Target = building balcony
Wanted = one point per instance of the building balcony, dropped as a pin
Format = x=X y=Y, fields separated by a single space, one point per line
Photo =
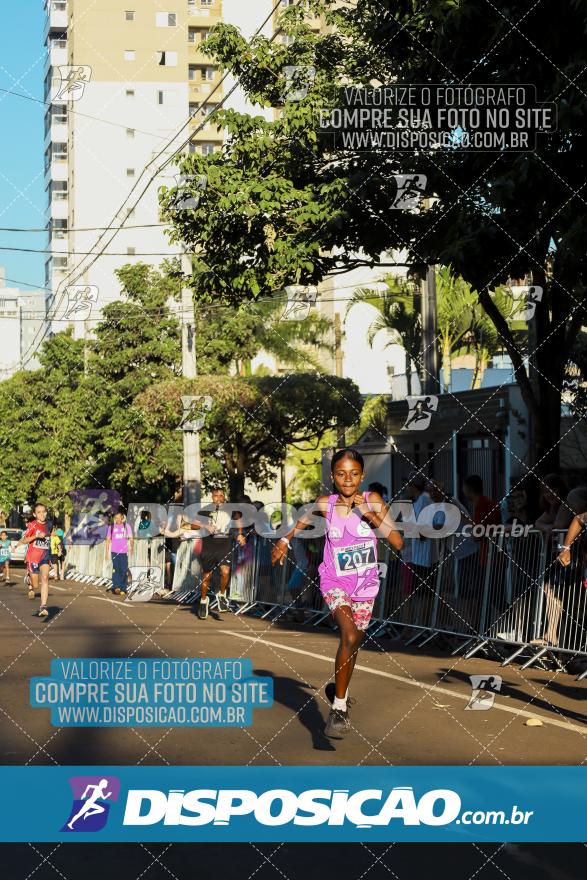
x=57 y=15
x=59 y=207
x=209 y=132
x=58 y=244
x=57 y=169
x=56 y=133
x=200 y=89
x=196 y=56
x=56 y=56
x=204 y=14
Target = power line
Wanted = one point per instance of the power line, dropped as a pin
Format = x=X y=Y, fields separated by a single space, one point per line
x=47 y=229
x=34 y=344
x=87 y=253
x=79 y=113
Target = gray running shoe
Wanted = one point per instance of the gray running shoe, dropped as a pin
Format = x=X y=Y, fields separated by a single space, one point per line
x=223 y=603
x=338 y=724
x=203 y=608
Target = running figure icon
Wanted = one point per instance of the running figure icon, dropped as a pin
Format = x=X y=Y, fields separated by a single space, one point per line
x=90 y=806
x=421 y=410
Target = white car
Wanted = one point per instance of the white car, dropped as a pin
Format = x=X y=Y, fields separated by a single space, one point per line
x=17 y=551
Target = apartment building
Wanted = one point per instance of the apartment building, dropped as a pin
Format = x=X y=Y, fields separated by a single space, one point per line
x=126 y=83
x=137 y=87
x=22 y=317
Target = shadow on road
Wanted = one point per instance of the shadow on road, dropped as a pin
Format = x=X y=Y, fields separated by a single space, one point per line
x=302 y=699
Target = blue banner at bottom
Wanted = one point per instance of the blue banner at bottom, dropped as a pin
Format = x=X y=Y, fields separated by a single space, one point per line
x=303 y=804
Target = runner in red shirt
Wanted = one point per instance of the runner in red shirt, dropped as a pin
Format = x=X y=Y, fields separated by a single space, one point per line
x=38 y=556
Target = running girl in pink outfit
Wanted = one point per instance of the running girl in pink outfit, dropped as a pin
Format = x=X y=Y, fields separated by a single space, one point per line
x=349 y=574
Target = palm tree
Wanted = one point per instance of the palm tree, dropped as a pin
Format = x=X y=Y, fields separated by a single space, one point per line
x=399 y=317
x=454 y=310
x=483 y=334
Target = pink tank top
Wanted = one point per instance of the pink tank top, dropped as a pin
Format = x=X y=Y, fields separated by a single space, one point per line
x=350 y=555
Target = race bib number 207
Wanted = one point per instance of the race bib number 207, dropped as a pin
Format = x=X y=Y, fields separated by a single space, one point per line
x=355 y=559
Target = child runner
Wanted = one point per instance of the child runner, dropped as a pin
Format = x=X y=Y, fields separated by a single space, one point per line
x=38 y=556
x=5 y=557
x=349 y=574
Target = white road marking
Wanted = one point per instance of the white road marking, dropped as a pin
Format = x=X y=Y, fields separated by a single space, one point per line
x=566 y=725
x=114 y=602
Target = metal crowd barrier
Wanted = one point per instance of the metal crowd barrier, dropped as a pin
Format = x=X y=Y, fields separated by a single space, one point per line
x=500 y=590
x=89 y=563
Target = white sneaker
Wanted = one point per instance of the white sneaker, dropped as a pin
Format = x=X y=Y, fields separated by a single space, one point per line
x=203 y=609
x=223 y=603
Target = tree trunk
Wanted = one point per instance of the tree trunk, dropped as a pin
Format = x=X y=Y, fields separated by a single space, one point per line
x=481 y=361
x=408 y=372
x=547 y=427
x=446 y=365
x=236 y=485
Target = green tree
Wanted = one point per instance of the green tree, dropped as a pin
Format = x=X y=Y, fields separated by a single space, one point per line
x=136 y=345
x=43 y=433
x=228 y=337
x=252 y=422
x=283 y=204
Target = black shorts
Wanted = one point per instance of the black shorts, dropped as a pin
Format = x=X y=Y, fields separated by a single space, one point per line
x=215 y=552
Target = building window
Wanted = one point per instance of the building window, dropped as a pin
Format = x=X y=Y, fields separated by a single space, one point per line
x=58 y=228
x=59 y=190
x=206 y=149
x=166 y=59
x=130 y=93
x=192 y=34
x=131 y=251
x=129 y=15
x=166 y=19
x=130 y=172
x=59 y=151
x=206 y=2
x=130 y=132
x=129 y=54
x=208 y=73
x=60 y=262
x=192 y=70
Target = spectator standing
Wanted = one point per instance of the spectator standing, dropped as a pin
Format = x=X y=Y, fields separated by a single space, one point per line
x=119 y=543
x=4 y=557
x=555 y=514
x=57 y=553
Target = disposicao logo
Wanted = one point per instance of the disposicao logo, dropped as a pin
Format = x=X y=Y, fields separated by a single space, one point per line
x=282 y=807
x=91 y=802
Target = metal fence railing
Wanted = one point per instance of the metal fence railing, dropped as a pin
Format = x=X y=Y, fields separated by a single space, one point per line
x=502 y=590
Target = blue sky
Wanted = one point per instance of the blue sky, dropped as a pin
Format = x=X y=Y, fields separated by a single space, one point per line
x=22 y=189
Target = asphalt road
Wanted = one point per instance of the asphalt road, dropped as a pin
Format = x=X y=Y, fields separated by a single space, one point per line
x=410 y=705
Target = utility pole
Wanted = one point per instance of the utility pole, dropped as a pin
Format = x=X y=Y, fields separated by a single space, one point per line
x=429 y=369
x=191 y=439
x=340 y=432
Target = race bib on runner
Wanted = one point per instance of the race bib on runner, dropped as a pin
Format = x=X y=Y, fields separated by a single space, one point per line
x=355 y=559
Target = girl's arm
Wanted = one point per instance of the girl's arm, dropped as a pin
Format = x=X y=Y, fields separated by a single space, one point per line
x=378 y=515
x=573 y=532
x=280 y=547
